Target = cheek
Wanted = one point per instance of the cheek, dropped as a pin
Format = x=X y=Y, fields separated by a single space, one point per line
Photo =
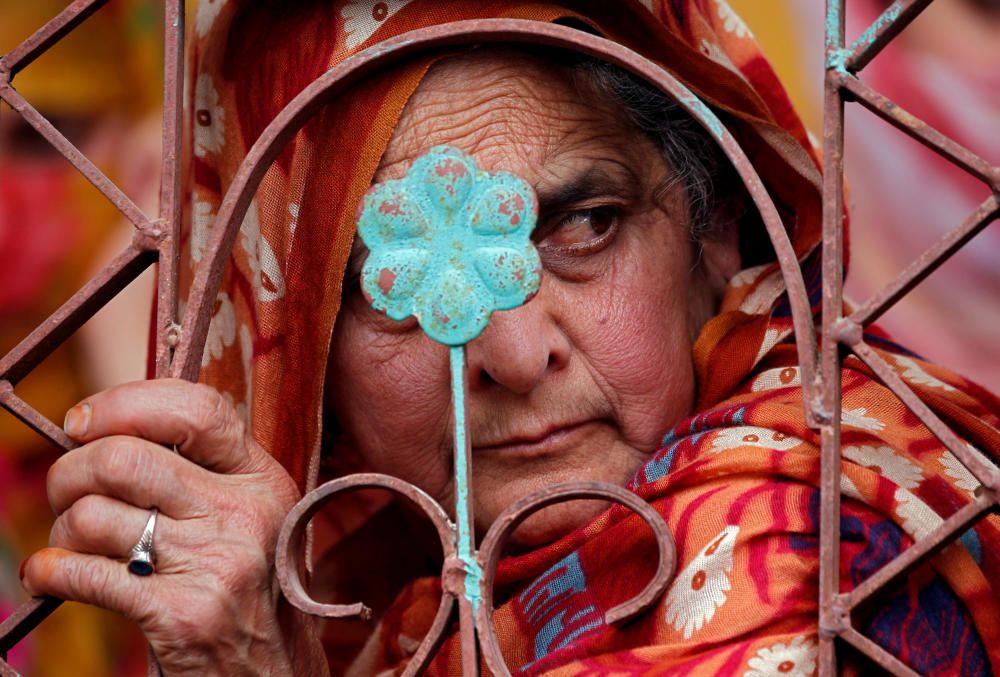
x=392 y=402
x=632 y=330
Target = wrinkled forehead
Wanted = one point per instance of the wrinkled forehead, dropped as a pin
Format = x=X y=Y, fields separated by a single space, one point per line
x=514 y=109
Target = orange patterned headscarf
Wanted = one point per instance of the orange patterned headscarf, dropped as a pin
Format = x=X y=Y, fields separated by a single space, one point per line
x=270 y=334
x=737 y=482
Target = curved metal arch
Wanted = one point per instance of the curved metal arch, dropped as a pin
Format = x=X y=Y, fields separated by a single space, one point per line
x=325 y=88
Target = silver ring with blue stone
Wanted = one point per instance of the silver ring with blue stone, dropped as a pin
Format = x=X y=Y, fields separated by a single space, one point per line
x=142 y=559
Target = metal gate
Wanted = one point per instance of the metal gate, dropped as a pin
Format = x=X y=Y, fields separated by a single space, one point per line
x=180 y=341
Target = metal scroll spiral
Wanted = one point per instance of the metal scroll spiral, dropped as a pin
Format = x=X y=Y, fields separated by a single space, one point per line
x=290 y=565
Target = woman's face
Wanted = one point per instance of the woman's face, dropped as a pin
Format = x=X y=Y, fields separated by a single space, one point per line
x=582 y=382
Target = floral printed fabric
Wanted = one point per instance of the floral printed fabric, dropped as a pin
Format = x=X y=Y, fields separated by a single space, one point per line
x=736 y=482
x=743 y=506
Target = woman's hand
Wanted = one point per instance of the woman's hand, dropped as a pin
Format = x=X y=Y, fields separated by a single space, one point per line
x=213 y=606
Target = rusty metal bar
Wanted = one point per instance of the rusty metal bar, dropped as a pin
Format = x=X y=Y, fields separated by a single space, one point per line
x=74 y=313
x=49 y=34
x=918 y=129
x=16 y=627
x=32 y=418
x=888 y=25
x=76 y=158
x=167 y=335
x=988 y=476
x=832 y=620
x=928 y=262
x=922 y=550
x=883 y=658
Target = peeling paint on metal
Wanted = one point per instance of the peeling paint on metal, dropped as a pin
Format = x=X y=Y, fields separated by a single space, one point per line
x=450 y=244
x=466 y=539
x=890 y=15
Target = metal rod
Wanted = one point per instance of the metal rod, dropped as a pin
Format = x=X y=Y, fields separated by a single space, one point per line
x=916 y=128
x=80 y=161
x=170 y=208
x=73 y=314
x=888 y=25
x=45 y=37
x=26 y=618
x=828 y=413
x=290 y=568
x=987 y=475
x=927 y=263
x=32 y=418
x=942 y=536
x=468 y=603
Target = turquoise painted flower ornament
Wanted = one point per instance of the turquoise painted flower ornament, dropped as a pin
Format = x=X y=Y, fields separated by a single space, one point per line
x=449 y=244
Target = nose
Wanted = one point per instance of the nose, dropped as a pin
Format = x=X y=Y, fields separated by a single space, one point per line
x=517 y=349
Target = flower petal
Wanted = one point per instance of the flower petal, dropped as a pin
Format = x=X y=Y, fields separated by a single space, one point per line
x=511 y=275
x=390 y=214
x=446 y=176
x=454 y=308
x=507 y=206
x=390 y=278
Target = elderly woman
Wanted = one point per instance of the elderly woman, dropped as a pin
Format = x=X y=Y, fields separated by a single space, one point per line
x=657 y=354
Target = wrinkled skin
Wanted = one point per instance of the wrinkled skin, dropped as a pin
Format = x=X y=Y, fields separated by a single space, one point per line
x=212 y=607
x=582 y=382
x=579 y=384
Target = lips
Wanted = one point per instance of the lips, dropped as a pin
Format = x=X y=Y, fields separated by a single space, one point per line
x=551 y=439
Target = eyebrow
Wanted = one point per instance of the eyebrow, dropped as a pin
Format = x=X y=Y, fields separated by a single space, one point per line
x=599 y=178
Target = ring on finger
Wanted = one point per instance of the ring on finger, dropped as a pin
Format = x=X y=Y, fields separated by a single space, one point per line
x=142 y=557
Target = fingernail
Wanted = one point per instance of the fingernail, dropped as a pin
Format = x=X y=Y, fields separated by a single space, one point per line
x=20 y=571
x=77 y=420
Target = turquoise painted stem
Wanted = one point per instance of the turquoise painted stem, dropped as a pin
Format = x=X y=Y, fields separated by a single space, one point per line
x=466 y=539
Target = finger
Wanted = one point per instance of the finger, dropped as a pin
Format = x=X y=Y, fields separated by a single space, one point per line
x=90 y=579
x=98 y=525
x=195 y=418
x=131 y=470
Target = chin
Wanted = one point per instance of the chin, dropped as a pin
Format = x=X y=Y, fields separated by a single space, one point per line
x=498 y=486
x=552 y=523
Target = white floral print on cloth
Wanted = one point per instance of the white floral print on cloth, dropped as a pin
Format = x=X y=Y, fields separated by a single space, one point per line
x=202 y=218
x=782 y=377
x=771 y=338
x=918 y=518
x=886 y=462
x=363 y=17
x=914 y=373
x=795 y=659
x=714 y=52
x=701 y=588
x=731 y=21
x=764 y=293
x=858 y=418
x=266 y=276
x=955 y=469
x=849 y=488
x=208 y=11
x=222 y=330
x=747 y=275
x=753 y=436
x=209 y=118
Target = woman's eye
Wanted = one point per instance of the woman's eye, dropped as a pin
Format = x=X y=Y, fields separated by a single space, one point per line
x=581 y=232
